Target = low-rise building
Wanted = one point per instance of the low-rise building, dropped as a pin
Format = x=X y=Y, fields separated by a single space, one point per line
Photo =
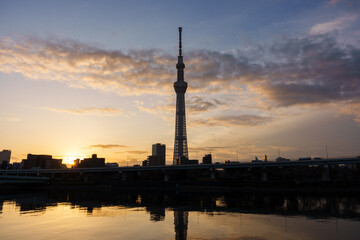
x=16 y=165
x=193 y=161
x=256 y=160
x=41 y=161
x=281 y=159
x=153 y=161
x=207 y=159
x=92 y=162
x=112 y=165
x=184 y=161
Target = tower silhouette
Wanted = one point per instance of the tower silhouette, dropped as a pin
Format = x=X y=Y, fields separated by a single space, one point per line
x=180 y=86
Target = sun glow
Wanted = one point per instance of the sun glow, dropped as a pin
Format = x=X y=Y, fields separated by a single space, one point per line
x=70 y=158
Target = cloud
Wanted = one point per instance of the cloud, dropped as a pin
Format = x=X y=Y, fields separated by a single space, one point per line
x=310 y=70
x=352 y=109
x=194 y=104
x=209 y=149
x=333 y=2
x=81 y=65
x=140 y=152
x=130 y=162
x=337 y=24
x=301 y=70
x=9 y=117
x=106 y=146
x=86 y=111
x=234 y=120
x=198 y=104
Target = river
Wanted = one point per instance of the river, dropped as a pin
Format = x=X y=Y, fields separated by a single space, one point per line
x=170 y=215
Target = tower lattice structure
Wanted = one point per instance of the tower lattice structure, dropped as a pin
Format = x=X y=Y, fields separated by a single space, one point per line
x=180 y=86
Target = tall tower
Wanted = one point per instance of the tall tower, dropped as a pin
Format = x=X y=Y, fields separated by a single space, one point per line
x=180 y=86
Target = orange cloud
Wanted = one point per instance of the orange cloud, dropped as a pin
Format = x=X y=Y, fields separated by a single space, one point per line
x=87 y=111
x=104 y=146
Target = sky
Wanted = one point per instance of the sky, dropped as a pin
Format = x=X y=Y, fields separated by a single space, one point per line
x=265 y=77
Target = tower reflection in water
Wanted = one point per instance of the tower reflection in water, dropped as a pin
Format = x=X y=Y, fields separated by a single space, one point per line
x=181 y=224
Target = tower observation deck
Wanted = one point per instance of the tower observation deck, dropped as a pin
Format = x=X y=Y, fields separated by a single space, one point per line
x=180 y=86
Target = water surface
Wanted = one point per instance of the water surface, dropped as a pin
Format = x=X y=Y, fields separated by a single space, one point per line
x=120 y=215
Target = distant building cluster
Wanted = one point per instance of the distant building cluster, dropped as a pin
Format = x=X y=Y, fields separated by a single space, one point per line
x=92 y=162
x=158 y=157
x=42 y=161
x=257 y=160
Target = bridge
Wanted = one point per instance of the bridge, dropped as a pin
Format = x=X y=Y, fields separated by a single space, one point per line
x=325 y=169
x=231 y=165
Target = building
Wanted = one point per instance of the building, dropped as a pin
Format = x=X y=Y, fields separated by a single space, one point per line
x=256 y=160
x=181 y=160
x=207 y=159
x=93 y=162
x=16 y=165
x=185 y=161
x=158 y=156
x=76 y=162
x=180 y=86
x=159 y=150
x=193 y=161
x=112 y=165
x=281 y=159
x=5 y=158
x=41 y=161
x=153 y=161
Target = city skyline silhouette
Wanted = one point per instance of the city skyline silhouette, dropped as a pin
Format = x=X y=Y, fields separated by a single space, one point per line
x=72 y=90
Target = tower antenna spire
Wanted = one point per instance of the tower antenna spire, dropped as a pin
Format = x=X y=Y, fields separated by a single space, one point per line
x=180 y=46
